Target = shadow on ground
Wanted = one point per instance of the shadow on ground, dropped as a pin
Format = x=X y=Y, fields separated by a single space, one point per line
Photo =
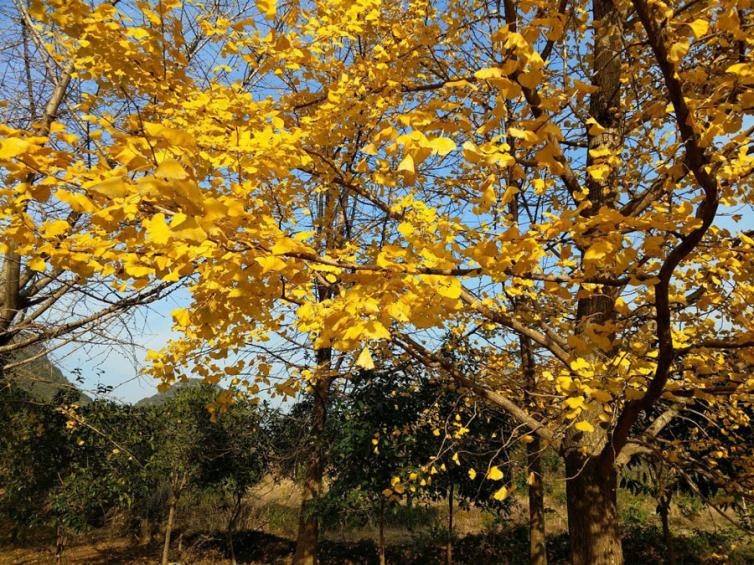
x=641 y=544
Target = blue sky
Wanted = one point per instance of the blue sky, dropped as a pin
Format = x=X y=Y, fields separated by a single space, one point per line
x=119 y=366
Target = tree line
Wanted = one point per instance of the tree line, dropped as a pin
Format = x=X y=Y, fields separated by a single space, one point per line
x=73 y=468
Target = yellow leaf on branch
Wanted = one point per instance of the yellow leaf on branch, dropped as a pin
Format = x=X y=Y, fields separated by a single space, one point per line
x=494 y=474
x=365 y=359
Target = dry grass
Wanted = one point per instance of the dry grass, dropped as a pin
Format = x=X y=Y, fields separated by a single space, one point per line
x=270 y=522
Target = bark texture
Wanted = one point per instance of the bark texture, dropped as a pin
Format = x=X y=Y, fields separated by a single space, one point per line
x=591 y=485
x=308 y=524
x=592 y=512
x=537 y=535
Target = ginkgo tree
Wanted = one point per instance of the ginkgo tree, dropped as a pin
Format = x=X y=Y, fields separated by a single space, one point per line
x=621 y=130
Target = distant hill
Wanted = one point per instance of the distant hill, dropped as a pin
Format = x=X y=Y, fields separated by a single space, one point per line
x=41 y=377
x=161 y=398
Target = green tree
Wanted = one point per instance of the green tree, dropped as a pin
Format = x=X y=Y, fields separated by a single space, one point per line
x=35 y=452
x=183 y=430
x=61 y=465
x=401 y=433
x=242 y=457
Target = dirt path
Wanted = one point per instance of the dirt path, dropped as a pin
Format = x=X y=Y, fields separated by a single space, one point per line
x=97 y=553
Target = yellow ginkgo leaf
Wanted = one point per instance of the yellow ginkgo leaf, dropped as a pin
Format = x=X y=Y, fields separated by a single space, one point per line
x=407 y=169
x=55 y=228
x=488 y=73
x=574 y=402
x=136 y=270
x=158 y=230
x=494 y=474
x=271 y=263
x=112 y=188
x=365 y=359
x=678 y=50
x=13 y=147
x=472 y=474
x=172 y=170
x=36 y=264
x=598 y=250
x=699 y=27
x=450 y=288
x=501 y=493
x=267 y=7
x=583 y=426
x=181 y=317
x=489 y=197
x=442 y=145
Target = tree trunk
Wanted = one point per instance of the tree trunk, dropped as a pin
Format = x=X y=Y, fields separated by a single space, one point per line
x=59 y=544
x=169 y=530
x=591 y=487
x=591 y=494
x=664 y=510
x=145 y=531
x=745 y=516
x=537 y=537
x=449 y=547
x=382 y=531
x=308 y=522
x=333 y=220
x=232 y=527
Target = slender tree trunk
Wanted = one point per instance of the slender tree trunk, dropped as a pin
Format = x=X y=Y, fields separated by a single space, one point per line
x=145 y=531
x=308 y=524
x=232 y=527
x=745 y=515
x=591 y=493
x=537 y=537
x=449 y=547
x=59 y=544
x=382 y=531
x=663 y=509
x=169 y=529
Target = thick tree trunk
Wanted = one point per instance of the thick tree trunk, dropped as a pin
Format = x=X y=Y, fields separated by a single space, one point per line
x=308 y=523
x=169 y=530
x=449 y=546
x=591 y=487
x=591 y=494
